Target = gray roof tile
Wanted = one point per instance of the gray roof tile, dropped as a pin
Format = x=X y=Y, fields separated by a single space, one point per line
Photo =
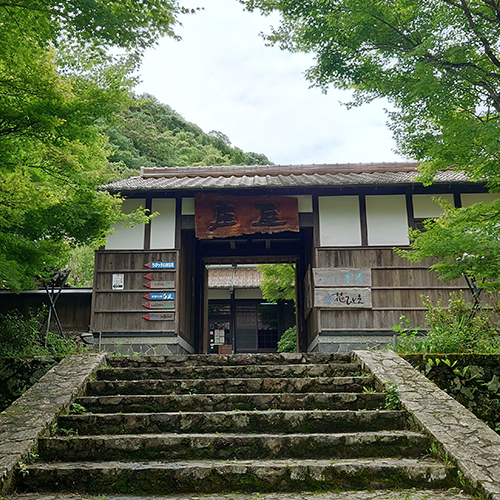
x=276 y=176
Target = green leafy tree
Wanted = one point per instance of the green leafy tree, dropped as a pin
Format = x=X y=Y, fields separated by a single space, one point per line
x=278 y=281
x=466 y=242
x=438 y=63
x=57 y=86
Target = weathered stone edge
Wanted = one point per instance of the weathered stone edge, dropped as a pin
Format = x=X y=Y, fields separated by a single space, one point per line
x=29 y=417
x=467 y=440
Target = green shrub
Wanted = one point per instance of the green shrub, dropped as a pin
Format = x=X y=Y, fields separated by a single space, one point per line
x=454 y=328
x=288 y=341
x=22 y=336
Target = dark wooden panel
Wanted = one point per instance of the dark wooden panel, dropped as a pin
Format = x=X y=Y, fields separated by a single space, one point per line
x=130 y=323
x=410 y=277
x=370 y=321
x=363 y=257
x=133 y=280
x=122 y=311
x=186 y=303
x=409 y=297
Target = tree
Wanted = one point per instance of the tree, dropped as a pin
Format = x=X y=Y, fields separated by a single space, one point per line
x=465 y=240
x=57 y=86
x=278 y=281
x=438 y=62
x=128 y=24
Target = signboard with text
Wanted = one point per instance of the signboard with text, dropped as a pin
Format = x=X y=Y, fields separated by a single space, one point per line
x=224 y=216
x=342 y=276
x=343 y=298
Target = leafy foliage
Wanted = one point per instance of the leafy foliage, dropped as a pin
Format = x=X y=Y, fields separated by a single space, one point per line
x=81 y=265
x=127 y=24
x=288 y=341
x=154 y=135
x=466 y=241
x=278 y=281
x=438 y=63
x=454 y=328
x=22 y=337
x=57 y=86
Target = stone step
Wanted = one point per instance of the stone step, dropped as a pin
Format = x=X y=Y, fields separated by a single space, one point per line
x=405 y=494
x=226 y=359
x=238 y=371
x=274 y=421
x=230 y=386
x=233 y=446
x=232 y=402
x=208 y=477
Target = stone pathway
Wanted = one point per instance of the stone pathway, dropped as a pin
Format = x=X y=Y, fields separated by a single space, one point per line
x=462 y=437
x=452 y=494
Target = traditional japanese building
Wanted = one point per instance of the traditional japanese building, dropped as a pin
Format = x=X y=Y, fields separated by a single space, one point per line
x=338 y=224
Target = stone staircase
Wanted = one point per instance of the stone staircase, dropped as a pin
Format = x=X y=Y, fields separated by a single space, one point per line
x=210 y=424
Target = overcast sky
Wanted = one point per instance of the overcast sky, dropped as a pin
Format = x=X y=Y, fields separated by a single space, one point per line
x=222 y=77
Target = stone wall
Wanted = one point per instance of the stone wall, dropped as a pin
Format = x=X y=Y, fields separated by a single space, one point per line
x=471 y=379
x=18 y=375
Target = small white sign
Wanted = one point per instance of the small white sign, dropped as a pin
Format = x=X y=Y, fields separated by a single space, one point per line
x=118 y=280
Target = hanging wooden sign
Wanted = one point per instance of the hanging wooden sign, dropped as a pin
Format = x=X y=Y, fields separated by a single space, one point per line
x=160 y=284
x=342 y=276
x=223 y=216
x=170 y=316
x=159 y=305
x=343 y=298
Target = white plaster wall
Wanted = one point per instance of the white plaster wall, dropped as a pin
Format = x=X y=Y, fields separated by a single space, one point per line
x=339 y=221
x=187 y=207
x=471 y=198
x=127 y=238
x=387 y=220
x=305 y=203
x=425 y=207
x=163 y=225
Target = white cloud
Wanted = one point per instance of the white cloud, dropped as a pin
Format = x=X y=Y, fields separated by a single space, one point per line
x=221 y=76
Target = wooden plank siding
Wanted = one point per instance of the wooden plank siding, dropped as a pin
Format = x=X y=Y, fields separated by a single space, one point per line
x=122 y=311
x=396 y=290
x=186 y=287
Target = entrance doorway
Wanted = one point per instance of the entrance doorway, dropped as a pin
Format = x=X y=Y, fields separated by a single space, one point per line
x=236 y=319
x=247 y=325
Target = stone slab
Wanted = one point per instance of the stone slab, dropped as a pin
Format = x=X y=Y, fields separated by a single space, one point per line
x=452 y=494
x=465 y=439
x=28 y=418
x=233 y=446
x=209 y=476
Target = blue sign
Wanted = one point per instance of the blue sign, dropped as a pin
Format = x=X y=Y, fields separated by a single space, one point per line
x=161 y=296
x=160 y=265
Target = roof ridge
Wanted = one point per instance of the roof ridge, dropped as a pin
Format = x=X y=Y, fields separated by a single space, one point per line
x=274 y=170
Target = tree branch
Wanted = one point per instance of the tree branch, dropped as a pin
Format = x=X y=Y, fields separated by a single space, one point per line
x=481 y=38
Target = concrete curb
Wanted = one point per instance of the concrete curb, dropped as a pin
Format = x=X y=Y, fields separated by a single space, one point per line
x=28 y=418
x=467 y=440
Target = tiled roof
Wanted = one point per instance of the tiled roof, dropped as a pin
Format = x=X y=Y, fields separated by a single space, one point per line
x=244 y=277
x=276 y=176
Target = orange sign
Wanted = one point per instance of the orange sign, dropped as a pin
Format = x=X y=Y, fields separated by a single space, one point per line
x=223 y=216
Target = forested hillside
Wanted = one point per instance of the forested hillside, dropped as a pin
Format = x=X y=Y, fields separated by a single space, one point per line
x=152 y=134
